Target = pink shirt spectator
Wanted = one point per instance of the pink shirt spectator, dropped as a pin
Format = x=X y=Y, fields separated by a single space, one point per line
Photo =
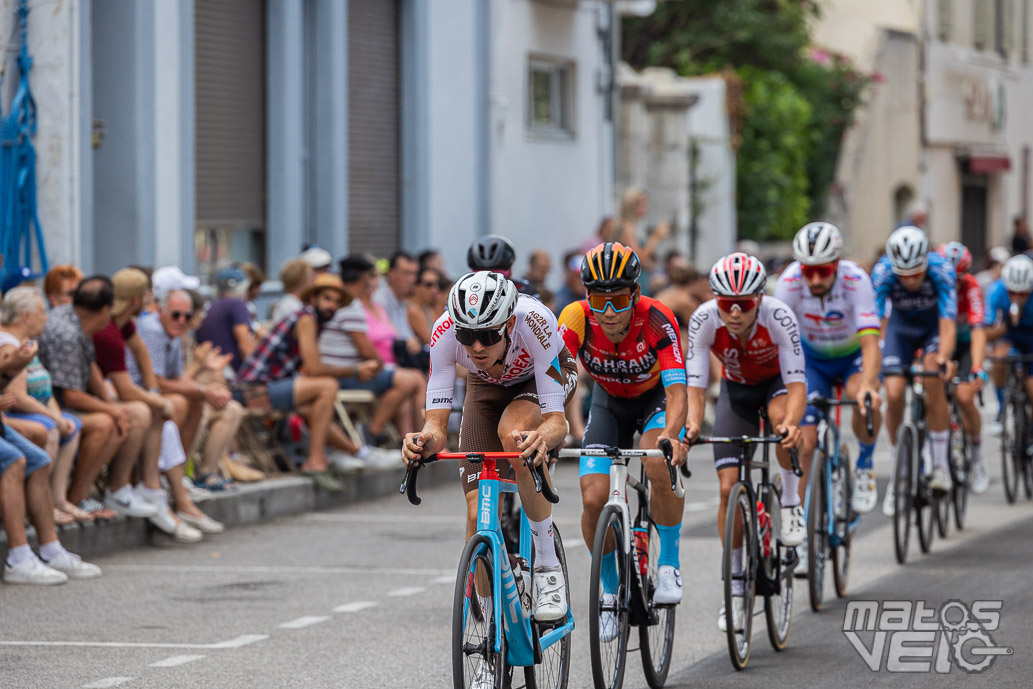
x=381 y=333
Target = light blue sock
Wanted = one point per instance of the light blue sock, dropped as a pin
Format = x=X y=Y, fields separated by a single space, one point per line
x=670 y=540
x=864 y=455
x=610 y=578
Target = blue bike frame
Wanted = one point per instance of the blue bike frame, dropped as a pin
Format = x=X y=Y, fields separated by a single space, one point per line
x=832 y=461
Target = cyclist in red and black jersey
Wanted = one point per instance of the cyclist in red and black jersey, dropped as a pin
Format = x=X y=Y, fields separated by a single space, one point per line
x=630 y=346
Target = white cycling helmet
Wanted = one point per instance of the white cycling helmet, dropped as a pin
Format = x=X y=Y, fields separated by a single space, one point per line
x=908 y=250
x=1017 y=274
x=738 y=275
x=817 y=243
x=481 y=300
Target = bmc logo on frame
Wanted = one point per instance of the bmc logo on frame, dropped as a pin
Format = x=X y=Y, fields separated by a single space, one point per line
x=909 y=636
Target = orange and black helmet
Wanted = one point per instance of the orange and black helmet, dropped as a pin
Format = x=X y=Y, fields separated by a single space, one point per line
x=610 y=267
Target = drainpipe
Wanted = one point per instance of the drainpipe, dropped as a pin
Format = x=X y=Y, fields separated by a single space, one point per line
x=484 y=121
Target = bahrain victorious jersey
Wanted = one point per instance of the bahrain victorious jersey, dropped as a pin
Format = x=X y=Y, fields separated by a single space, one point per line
x=832 y=325
x=534 y=351
x=648 y=354
x=772 y=348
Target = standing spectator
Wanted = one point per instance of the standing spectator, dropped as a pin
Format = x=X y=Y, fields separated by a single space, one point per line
x=318 y=258
x=60 y=283
x=634 y=206
x=538 y=268
x=603 y=234
x=228 y=323
x=296 y=275
x=1020 y=239
x=22 y=317
x=916 y=215
x=272 y=375
x=573 y=289
x=394 y=294
x=994 y=262
x=687 y=291
x=66 y=351
x=423 y=307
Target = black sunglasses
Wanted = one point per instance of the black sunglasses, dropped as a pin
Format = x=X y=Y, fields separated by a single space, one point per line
x=185 y=315
x=467 y=337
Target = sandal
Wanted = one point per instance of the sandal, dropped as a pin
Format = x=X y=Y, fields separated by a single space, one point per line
x=79 y=515
x=214 y=482
x=62 y=518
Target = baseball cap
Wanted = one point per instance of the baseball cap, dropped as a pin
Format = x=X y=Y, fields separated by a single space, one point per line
x=317 y=257
x=129 y=284
x=229 y=278
x=171 y=278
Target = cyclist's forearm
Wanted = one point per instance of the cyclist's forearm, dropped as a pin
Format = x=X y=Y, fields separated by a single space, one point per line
x=553 y=428
x=871 y=362
x=435 y=430
x=677 y=405
x=978 y=349
x=948 y=330
x=995 y=332
x=796 y=403
x=697 y=404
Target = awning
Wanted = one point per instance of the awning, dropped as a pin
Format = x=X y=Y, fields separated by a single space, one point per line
x=988 y=164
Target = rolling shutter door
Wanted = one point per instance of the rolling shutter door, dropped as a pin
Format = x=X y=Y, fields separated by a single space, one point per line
x=373 y=127
x=230 y=122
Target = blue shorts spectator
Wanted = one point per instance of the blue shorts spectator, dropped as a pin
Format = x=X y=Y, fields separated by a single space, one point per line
x=281 y=394
x=49 y=423
x=14 y=446
x=379 y=384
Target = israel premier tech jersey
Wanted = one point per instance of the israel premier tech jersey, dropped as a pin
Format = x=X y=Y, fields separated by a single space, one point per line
x=832 y=325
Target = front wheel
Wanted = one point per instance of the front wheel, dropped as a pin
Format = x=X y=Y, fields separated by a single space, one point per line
x=961 y=474
x=608 y=622
x=778 y=607
x=741 y=508
x=925 y=503
x=1012 y=449
x=554 y=670
x=817 y=528
x=656 y=641
x=475 y=661
x=842 y=501
x=902 y=491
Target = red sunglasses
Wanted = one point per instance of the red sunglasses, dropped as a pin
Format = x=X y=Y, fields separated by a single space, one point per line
x=745 y=304
x=821 y=271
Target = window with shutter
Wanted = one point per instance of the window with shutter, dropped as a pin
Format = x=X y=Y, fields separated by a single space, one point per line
x=944 y=19
x=981 y=24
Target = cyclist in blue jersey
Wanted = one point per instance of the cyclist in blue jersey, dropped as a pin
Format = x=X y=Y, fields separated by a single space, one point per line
x=919 y=286
x=1009 y=315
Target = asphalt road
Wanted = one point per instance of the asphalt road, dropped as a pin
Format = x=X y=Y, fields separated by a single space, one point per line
x=361 y=597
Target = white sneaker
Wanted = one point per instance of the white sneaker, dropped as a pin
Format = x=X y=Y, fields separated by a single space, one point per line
x=196 y=492
x=794 y=526
x=980 y=478
x=344 y=462
x=888 y=501
x=801 y=567
x=379 y=457
x=126 y=502
x=33 y=571
x=551 y=604
x=668 y=586
x=483 y=678
x=184 y=533
x=204 y=523
x=940 y=482
x=866 y=493
x=738 y=615
x=995 y=428
x=608 y=619
x=73 y=566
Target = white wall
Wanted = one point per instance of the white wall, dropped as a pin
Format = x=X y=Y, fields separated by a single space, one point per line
x=855 y=27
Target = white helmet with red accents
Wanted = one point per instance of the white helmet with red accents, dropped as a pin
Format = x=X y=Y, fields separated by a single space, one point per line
x=481 y=300
x=738 y=275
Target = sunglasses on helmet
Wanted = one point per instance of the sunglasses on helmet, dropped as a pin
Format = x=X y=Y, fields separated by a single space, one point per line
x=467 y=337
x=820 y=271
x=745 y=304
x=618 y=302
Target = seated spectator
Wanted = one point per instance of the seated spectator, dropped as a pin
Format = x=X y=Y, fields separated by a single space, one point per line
x=318 y=258
x=296 y=275
x=573 y=289
x=380 y=328
x=164 y=280
x=538 y=268
x=22 y=317
x=423 y=307
x=25 y=493
x=60 y=283
x=109 y=433
x=393 y=299
x=431 y=258
x=162 y=334
x=344 y=344
x=285 y=372
x=160 y=449
x=255 y=279
x=228 y=323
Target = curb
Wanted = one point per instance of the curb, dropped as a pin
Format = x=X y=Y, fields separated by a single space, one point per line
x=251 y=504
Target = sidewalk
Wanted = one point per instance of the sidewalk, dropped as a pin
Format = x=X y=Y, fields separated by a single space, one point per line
x=252 y=503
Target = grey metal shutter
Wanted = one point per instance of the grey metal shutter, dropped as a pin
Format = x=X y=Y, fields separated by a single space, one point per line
x=374 y=223
x=230 y=114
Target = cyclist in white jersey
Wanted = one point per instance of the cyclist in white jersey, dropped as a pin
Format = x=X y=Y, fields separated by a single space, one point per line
x=522 y=377
x=834 y=301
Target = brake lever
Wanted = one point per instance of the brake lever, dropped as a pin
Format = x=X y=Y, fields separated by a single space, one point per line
x=794 y=458
x=668 y=449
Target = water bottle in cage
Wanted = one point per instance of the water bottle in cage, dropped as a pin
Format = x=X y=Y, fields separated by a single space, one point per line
x=642 y=549
x=764 y=522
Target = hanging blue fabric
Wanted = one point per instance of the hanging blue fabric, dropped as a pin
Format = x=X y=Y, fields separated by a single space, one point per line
x=20 y=229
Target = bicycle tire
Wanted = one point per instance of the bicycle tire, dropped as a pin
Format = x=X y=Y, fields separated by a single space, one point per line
x=740 y=503
x=609 y=658
x=844 y=516
x=942 y=513
x=1027 y=461
x=778 y=608
x=554 y=670
x=925 y=504
x=817 y=529
x=902 y=482
x=477 y=553
x=1011 y=448
x=656 y=641
x=961 y=475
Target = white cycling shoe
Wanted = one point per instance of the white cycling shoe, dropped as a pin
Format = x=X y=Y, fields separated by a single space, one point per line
x=738 y=615
x=551 y=604
x=940 y=483
x=801 y=567
x=794 y=526
x=668 y=586
x=607 y=619
x=888 y=501
x=980 y=478
x=866 y=493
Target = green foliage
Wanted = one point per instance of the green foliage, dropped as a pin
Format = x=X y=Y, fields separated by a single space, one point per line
x=771 y=174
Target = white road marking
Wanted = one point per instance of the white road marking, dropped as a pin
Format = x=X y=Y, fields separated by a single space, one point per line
x=260 y=569
x=443 y=579
x=302 y=622
x=244 y=640
x=108 y=682
x=356 y=606
x=176 y=661
x=407 y=591
x=232 y=643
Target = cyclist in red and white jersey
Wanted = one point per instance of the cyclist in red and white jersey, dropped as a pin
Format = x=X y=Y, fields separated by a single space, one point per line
x=757 y=340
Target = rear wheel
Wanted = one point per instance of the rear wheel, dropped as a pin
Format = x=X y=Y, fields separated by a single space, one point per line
x=554 y=670
x=656 y=640
x=925 y=505
x=817 y=528
x=778 y=608
x=902 y=482
x=842 y=501
x=609 y=646
x=473 y=635
x=1027 y=461
x=961 y=466
x=740 y=507
x=1011 y=448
